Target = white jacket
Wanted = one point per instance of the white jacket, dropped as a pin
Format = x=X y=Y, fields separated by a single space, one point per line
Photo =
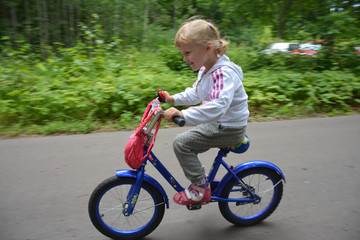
x=221 y=93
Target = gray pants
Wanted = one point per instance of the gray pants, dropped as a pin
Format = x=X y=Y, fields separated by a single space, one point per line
x=200 y=139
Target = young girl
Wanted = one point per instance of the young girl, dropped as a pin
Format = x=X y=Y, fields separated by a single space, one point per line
x=221 y=119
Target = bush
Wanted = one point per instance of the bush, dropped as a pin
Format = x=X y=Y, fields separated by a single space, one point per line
x=72 y=92
x=76 y=87
x=328 y=91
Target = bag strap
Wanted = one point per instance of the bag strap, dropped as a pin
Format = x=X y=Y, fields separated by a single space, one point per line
x=145 y=119
x=153 y=140
x=154 y=137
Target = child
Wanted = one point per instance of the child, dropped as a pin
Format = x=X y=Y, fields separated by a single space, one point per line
x=221 y=119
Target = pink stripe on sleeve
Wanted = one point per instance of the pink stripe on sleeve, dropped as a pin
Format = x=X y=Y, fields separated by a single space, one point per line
x=222 y=80
x=212 y=95
x=218 y=83
x=221 y=83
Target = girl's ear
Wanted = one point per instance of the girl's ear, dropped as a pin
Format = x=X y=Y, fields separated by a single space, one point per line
x=209 y=47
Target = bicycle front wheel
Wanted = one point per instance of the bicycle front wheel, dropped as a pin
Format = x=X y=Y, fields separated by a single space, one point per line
x=263 y=182
x=108 y=202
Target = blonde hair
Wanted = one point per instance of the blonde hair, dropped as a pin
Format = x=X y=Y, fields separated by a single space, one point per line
x=201 y=32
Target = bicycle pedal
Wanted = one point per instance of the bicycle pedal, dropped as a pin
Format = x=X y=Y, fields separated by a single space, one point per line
x=194 y=206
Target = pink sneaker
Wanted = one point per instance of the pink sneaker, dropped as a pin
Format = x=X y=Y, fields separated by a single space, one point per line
x=193 y=195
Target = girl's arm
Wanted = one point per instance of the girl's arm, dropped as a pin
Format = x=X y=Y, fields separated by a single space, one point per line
x=188 y=97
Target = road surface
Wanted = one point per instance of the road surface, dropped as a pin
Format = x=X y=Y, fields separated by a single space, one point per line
x=45 y=183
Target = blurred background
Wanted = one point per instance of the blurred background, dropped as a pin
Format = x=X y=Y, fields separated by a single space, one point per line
x=77 y=66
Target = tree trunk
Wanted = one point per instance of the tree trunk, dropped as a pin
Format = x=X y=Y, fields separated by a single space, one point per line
x=283 y=17
x=71 y=23
x=174 y=14
x=56 y=22
x=65 y=23
x=46 y=23
x=89 y=16
x=14 y=34
x=27 y=21
x=41 y=27
x=117 y=20
x=77 y=21
x=146 y=21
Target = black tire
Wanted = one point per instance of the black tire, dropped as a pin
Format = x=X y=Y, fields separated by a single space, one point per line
x=262 y=181
x=106 y=209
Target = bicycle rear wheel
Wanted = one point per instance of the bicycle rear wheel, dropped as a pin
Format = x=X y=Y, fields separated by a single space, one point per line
x=108 y=202
x=263 y=182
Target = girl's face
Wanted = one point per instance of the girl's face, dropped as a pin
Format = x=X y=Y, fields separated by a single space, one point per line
x=196 y=55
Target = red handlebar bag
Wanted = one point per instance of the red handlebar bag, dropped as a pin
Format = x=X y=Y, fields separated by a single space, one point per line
x=135 y=148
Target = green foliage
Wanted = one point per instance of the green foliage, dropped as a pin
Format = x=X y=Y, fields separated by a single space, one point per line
x=328 y=91
x=173 y=58
x=101 y=67
x=285 y=85
x=76 y=93
x=44 y=23
x=110 y=85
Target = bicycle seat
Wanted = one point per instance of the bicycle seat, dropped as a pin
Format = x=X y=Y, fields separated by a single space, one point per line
x=241 y=147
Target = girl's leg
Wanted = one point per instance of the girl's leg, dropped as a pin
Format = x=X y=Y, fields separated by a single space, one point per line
x=197 y=140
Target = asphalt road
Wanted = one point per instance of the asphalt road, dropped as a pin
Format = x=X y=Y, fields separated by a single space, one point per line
x=45 y=183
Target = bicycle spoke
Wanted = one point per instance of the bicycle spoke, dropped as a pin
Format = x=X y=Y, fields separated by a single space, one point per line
x=140 y=210
x=260 y=185
x=269 y=189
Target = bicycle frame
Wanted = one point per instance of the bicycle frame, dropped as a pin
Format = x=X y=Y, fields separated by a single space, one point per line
x=216 y=185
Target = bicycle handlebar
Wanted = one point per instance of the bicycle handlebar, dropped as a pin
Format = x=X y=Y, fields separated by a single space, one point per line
x=161 y=97
x=179 y=121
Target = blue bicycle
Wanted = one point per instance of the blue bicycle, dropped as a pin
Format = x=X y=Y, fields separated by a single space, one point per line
x=131 y=204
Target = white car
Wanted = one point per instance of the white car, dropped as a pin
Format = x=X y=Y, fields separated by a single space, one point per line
x=280 y=47
x=308 y=48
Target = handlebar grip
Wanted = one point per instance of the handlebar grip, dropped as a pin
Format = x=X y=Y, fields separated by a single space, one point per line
x=179 y=121
x=161 y=95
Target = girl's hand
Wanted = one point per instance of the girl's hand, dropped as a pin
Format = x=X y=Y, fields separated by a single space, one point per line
x=169 y=98
x=172 y=112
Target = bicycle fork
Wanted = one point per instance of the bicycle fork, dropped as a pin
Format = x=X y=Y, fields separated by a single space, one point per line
x=132 y=197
